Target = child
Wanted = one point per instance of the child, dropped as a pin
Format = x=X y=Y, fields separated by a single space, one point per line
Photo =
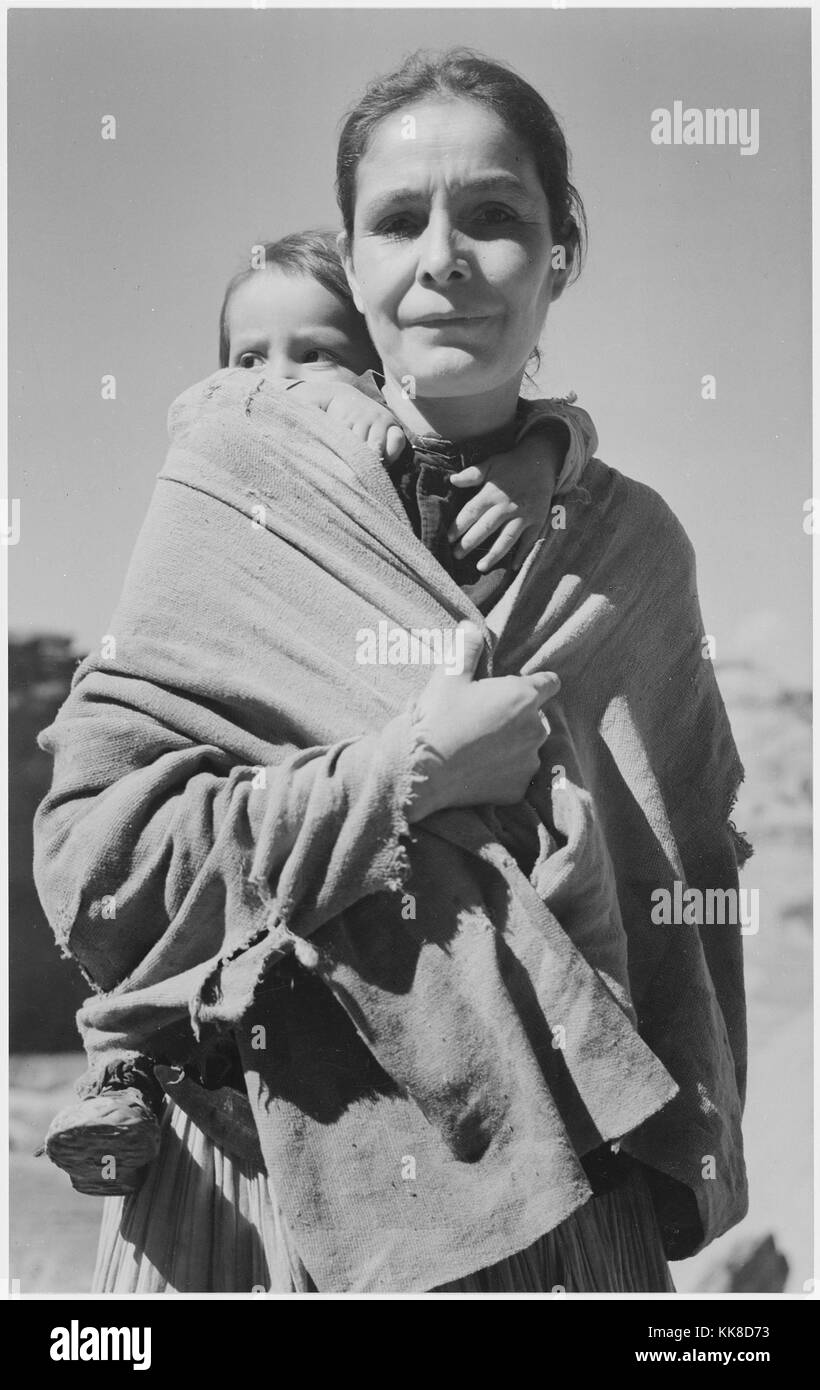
x=295 y=318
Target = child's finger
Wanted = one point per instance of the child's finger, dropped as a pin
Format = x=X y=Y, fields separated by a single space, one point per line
x=316 y=393
x=480 y=532
x=503 y=545
x=375 y=436
x=338 y=408
x=473 y=476
x=470 y=513
x=361 y=429
x=396 y=441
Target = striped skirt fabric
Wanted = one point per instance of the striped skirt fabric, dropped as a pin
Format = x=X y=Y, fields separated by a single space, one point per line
x=200 y=1223
x=610 y=1245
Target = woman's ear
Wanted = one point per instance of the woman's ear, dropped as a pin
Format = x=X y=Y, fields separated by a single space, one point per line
x=561 y=267
x=563 y=256
x=345 y=252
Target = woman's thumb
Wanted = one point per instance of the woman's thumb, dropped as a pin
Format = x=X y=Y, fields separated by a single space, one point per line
x=470 y=646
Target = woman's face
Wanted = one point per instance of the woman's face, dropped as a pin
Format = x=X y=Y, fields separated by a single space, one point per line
x=450 y=260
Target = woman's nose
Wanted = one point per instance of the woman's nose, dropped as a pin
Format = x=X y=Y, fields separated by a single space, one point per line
x=441 y=259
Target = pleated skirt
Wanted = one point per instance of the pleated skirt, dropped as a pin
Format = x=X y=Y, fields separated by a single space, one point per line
x=201 y=1223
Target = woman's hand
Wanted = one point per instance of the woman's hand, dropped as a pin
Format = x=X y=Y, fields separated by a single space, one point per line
x=364 y=417
x=479 y=739
x=515 y=499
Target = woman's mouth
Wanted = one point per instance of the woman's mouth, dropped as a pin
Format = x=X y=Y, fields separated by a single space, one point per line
x=448 y=320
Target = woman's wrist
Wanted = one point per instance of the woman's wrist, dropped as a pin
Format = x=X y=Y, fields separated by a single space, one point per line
x=427 y=768
x=425 y=797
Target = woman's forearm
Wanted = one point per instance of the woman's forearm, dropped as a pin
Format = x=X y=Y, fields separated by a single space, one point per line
x=174 y=850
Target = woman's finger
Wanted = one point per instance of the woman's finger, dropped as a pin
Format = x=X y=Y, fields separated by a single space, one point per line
x=473 y=476
x=503 y=545
x=545 y=684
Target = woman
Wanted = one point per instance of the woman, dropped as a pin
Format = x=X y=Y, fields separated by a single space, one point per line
x=473 y=1061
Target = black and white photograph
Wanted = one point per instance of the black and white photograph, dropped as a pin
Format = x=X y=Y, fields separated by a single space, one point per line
x=408 y=537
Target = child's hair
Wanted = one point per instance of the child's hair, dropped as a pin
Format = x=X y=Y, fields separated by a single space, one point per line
x=312 y=253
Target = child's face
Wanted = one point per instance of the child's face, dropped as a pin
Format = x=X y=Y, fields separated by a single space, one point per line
x=293 y=325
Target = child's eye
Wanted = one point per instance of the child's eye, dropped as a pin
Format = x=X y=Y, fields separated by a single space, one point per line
x=251 y=360
x=320 y=355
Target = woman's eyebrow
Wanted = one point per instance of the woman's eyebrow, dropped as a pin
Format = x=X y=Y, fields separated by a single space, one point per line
x=490 y=183
x=386 y=200
x=487 y=183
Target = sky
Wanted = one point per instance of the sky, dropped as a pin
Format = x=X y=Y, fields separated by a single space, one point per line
x=226 y=121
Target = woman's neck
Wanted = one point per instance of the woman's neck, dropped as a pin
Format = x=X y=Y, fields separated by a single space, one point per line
x=458 y=418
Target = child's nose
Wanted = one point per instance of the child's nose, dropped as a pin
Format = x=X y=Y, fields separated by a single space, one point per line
x=281 y=364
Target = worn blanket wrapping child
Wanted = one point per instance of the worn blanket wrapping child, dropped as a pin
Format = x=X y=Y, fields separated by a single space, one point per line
x=225 y=837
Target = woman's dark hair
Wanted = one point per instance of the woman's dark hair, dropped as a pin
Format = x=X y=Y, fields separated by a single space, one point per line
x=312 y=253
x=460 y=73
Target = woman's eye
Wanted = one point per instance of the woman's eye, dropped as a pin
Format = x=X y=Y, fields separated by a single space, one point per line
x=495 y=215
x=251 y=360
x=400 y=225
x=406 y=225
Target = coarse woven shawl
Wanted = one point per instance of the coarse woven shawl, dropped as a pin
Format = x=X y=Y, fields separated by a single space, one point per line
x=426 y=1069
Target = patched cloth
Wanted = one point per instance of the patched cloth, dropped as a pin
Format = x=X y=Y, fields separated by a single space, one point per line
x=225 y=841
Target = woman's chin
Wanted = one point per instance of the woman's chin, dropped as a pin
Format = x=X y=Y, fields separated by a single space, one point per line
x=453 y=371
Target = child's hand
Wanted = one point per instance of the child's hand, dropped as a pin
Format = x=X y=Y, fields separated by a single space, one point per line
x=516 y=497
x=366 y=418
